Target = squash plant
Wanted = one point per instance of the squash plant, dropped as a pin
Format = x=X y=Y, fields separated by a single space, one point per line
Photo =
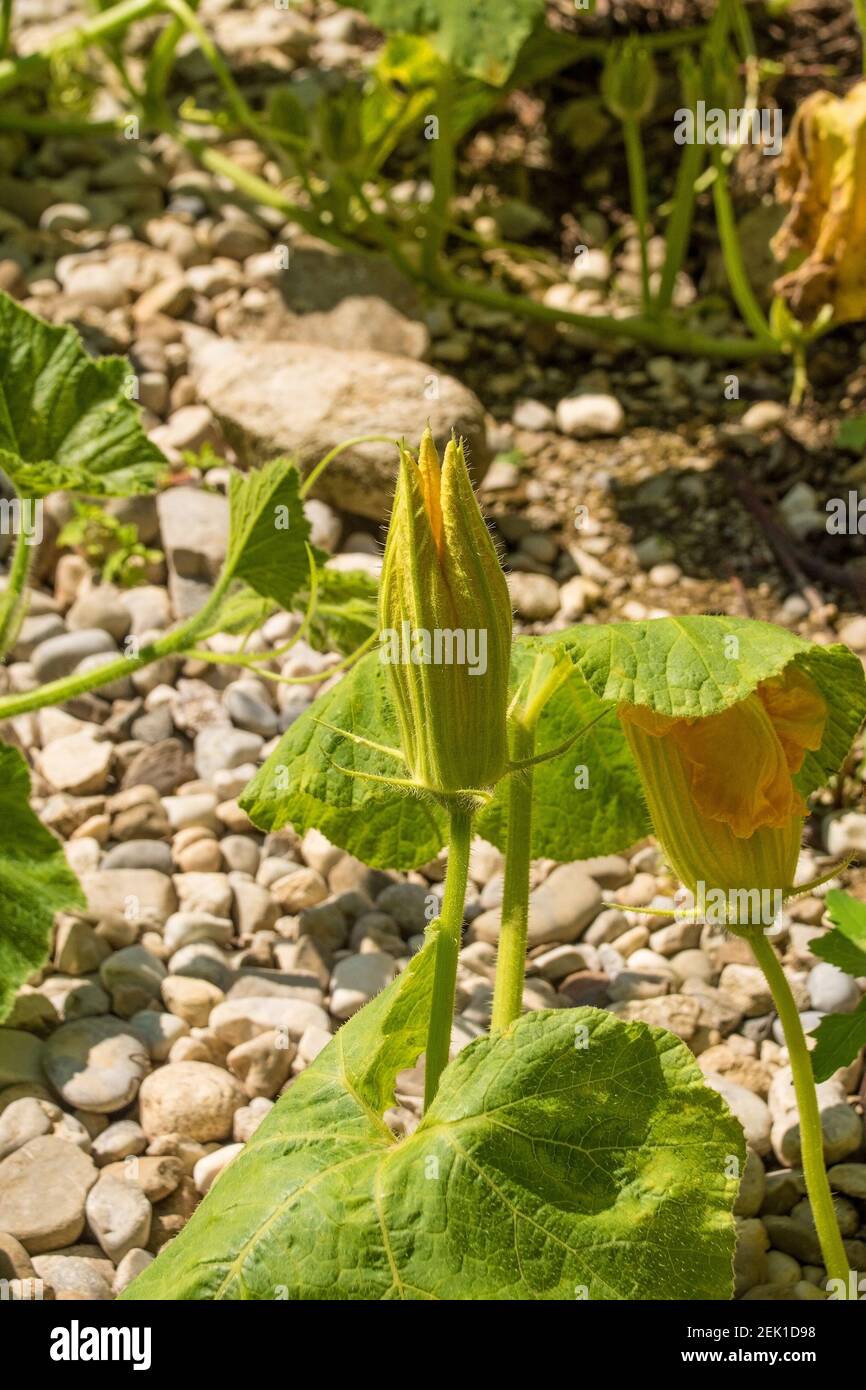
x=570 y=1154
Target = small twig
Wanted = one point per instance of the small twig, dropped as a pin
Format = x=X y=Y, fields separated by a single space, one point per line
x=798 y=563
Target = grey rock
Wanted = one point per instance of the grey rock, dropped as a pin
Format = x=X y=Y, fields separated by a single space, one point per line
x=60 y=655
x=559 y=910
x=96 y=1064
x=831 y=991
x=356 y=979
x=194 y=530
x=220 y=747
x=282 y=398
x=139 y=854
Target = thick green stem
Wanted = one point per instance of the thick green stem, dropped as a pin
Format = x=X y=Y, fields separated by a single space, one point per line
x=667 y=335
x=639 y=200
x=446 y=931
x=735 y=268
x=181 y=639
x=511 y=958
x=811 y=1141
x=13 y=596
x=442 y=171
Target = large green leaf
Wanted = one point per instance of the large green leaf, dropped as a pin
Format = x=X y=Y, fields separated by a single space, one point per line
x=302 y=784
x=66 y=421
x=268 y=531
x=576 y=1156
x=479 y=37
x=35 y=881
x=695 y=666
x=588 y=800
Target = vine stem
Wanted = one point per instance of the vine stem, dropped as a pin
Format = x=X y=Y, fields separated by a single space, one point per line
x=13 y=597
x=811 y=1140
x=637 y=183
x=57 y=692
x=14 y=71
x=511 y=956
x=442 y=172
x=446 y=931
x=733 y=257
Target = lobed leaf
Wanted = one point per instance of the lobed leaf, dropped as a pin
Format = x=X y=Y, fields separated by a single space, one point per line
x=268 y=531
x=483 y=38
x=694 y=666
x=576 y=1156
x=570 y=820
x=65 y=419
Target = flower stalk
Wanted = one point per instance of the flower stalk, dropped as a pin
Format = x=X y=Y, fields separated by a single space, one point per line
x=811 y=1138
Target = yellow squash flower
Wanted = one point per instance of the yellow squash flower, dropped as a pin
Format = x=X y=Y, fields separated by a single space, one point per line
x=445 y=619
x=720 y=789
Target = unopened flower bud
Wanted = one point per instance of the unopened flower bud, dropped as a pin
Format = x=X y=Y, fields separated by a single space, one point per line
x=445 y=617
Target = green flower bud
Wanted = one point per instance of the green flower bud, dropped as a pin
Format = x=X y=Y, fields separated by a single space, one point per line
x=445 y=617
x=629 y=80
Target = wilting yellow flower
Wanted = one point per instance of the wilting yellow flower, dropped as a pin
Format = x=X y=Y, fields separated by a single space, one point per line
x=821 y=177
x=445 y=617
x=721 y=790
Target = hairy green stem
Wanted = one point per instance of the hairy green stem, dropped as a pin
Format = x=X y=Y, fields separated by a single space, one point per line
x=180 y=639
x=811 y=1140
x=442 y=171
x=511 y=957
x=313 y=476
x=13 y=595
x=669 y=336
x=735 y=268
x=446 y=933
x=639 y=196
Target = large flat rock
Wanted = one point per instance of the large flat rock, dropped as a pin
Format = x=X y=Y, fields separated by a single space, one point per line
x=298 y=399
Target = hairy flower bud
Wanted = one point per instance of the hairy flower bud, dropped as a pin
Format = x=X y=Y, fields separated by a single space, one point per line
x=629 y=80
x=445 y=618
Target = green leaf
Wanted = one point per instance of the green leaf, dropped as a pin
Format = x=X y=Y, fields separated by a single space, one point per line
x=35 y=881
x=839 y=1040
x=845 y=945
x=696 y=666
x=65 y=419
x=570 y=820
x=483 y=38
x=301 y=782
x=576 y=1156
x=268 y=531
x=346 y=614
